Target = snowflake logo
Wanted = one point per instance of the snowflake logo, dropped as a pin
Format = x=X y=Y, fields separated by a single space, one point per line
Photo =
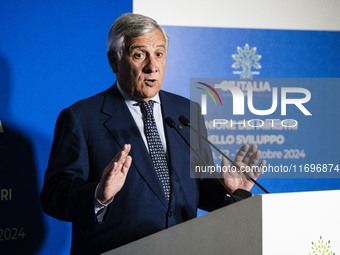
x=321 y=247
x=246 y=59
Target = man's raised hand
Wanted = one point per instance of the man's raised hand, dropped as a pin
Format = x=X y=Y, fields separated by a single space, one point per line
x=246 y=160
x=114 y=175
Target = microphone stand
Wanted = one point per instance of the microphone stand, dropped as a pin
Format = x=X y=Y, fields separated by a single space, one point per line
x=171 y=123
x=186 y=123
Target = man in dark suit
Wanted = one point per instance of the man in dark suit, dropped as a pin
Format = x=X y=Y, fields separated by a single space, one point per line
x=102 y=175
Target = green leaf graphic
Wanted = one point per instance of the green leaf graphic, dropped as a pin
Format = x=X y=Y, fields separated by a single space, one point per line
x=321 y=247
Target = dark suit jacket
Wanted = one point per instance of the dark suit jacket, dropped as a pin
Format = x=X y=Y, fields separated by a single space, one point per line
x=88 y=135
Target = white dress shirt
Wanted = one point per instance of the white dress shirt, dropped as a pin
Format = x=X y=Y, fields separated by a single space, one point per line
x=136 y=113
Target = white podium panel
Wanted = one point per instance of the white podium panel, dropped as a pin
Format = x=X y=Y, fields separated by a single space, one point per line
x=292 y=221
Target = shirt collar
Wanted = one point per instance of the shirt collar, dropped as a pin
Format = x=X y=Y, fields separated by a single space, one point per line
x=130 y=100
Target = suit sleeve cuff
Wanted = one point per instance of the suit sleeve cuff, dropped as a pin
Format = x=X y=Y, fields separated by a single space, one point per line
x=100 y=208
x=98 y=202
x=242 y=193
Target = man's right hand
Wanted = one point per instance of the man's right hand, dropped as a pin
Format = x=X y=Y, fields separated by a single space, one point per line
x=114 y=175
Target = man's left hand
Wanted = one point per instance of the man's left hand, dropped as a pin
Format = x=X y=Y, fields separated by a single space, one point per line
x=246 y=160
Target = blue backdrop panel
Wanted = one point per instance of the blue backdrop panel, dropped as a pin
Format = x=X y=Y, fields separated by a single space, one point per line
x=51 y=55
x=197 y=52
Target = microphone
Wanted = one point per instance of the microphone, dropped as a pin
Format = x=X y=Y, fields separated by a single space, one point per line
x=171 y=123
x=186 y=123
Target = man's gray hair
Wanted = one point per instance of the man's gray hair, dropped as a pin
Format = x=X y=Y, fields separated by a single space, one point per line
x=127 y=26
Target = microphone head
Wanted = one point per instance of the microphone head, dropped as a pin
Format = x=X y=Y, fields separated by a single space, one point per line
x=184 y=121
x=170 y=122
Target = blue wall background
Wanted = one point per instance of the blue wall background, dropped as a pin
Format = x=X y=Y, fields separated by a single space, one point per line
x=52 y=53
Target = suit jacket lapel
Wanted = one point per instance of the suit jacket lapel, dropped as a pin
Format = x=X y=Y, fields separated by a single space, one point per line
x=123 y=129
